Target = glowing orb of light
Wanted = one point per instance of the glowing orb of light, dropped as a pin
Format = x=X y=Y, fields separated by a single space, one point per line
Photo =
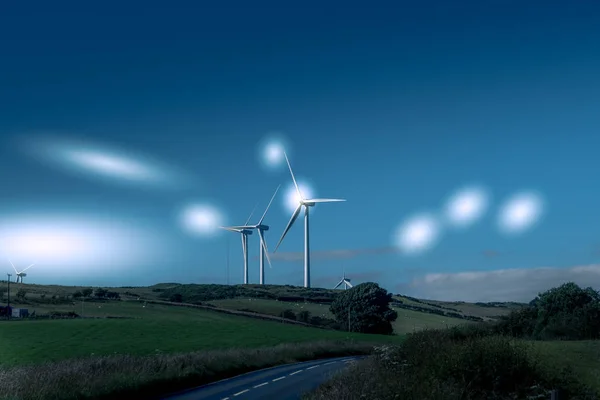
x=417 y=233
x=202 y=219
x=466 y=206
x=520 y=212
x=292 y=199
x=271 y=151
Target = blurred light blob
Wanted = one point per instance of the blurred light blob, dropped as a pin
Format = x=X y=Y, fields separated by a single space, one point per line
x=417 y=234
x=292 y=199
x=520 y=212
x=62 y=241
x=202 y=219
x=466 y=206
x=79 y=155
x=271 y=151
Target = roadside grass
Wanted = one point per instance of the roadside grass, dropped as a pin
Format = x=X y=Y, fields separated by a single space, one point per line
x=433 y=365
x=156 y=329
x=583 y=356
x=152 y=377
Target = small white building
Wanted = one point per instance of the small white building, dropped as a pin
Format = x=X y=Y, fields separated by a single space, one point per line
x=20 y=312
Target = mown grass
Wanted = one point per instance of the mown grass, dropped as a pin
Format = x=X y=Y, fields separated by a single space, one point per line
x=157 y=329
x=409 y=321
x=151 y=377
x=441 y=364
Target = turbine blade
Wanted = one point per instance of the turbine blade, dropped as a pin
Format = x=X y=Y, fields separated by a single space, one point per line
x=230 y=229
x=244 y=246
x=349 y=284
x=272 y=198
x=251 y=214
x=293 y=177
x=339 y=284
x=289 y=225
x=28 y=267
x=263 y=243
x=16 y=272
x=240 y=227
x=323 y=200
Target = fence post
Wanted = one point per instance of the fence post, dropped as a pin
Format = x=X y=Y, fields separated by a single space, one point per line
x=554 y=395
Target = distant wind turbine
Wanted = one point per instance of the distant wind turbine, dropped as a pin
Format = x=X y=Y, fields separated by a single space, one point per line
x=345 y=281
x=244 y=233
x=260 y=228
x=306 y=203
x=20 y=274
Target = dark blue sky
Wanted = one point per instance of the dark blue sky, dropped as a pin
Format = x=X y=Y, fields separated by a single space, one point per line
x=393 y=107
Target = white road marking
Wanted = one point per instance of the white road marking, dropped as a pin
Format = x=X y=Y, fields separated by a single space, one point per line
x=330 y=362
x=297 y=372
x=225 y=398
x=242 y=392
x=278 y=379
x=262 y=384
x=314 y=366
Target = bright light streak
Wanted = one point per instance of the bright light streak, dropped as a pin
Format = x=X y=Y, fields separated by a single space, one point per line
x=292 y=199
x=417 y=234
x=466 y=206
x=202 y=219
x=61 y=242
x=520 y=212
x=271 y=151
x=104 y=161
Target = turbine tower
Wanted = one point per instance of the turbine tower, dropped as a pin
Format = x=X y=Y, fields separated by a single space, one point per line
x=345 y=281
x=20 y=274
x=244 y=234
x=261 y=228
x=306 y=203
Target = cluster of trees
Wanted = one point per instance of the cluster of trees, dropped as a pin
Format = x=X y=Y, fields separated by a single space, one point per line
x=196 y=294
x=565 y=312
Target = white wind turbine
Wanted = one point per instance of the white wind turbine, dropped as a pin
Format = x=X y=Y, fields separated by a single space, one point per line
x=260 y=228
x=306 y=203
x=345 y=281
x=244 y=233
x=20 y=274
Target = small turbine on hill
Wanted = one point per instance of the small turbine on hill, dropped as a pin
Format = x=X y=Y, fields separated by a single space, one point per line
x=345 y=281
x=244 y=234
x=20 y=274
x=306 y=203
x=260 y=228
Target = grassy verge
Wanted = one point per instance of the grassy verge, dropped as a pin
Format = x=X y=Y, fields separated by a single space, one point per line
x=439 y=365
x=127 y=377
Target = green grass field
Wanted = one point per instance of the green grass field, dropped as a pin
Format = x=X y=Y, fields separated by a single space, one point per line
x=153 y=329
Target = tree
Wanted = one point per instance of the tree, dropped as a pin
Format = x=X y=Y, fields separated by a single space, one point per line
x=176 y=298
x=77 y=294
x=288 y=314
x=87 y=292
x=100 y=292
x=365 y=308
x=21 y=293
x=304 y=316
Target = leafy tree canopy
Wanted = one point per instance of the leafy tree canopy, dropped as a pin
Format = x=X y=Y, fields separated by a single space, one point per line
x=365 y=308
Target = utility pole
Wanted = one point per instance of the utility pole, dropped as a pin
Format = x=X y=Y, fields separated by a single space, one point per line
x=227 y=247
x=8 y=298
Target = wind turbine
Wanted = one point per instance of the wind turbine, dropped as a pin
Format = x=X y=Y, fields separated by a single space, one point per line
x=306 y=203
x=20 y=274
x=345 y=281
x=244 y=233
x=260 y=228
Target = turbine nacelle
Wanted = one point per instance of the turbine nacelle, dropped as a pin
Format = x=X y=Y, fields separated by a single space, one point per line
x=239 y=229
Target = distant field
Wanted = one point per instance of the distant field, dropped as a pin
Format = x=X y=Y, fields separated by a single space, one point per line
x=409 y=321
x=158 y=328
x=273 y=307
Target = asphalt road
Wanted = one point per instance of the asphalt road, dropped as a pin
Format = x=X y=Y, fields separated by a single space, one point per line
x=286 y=382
